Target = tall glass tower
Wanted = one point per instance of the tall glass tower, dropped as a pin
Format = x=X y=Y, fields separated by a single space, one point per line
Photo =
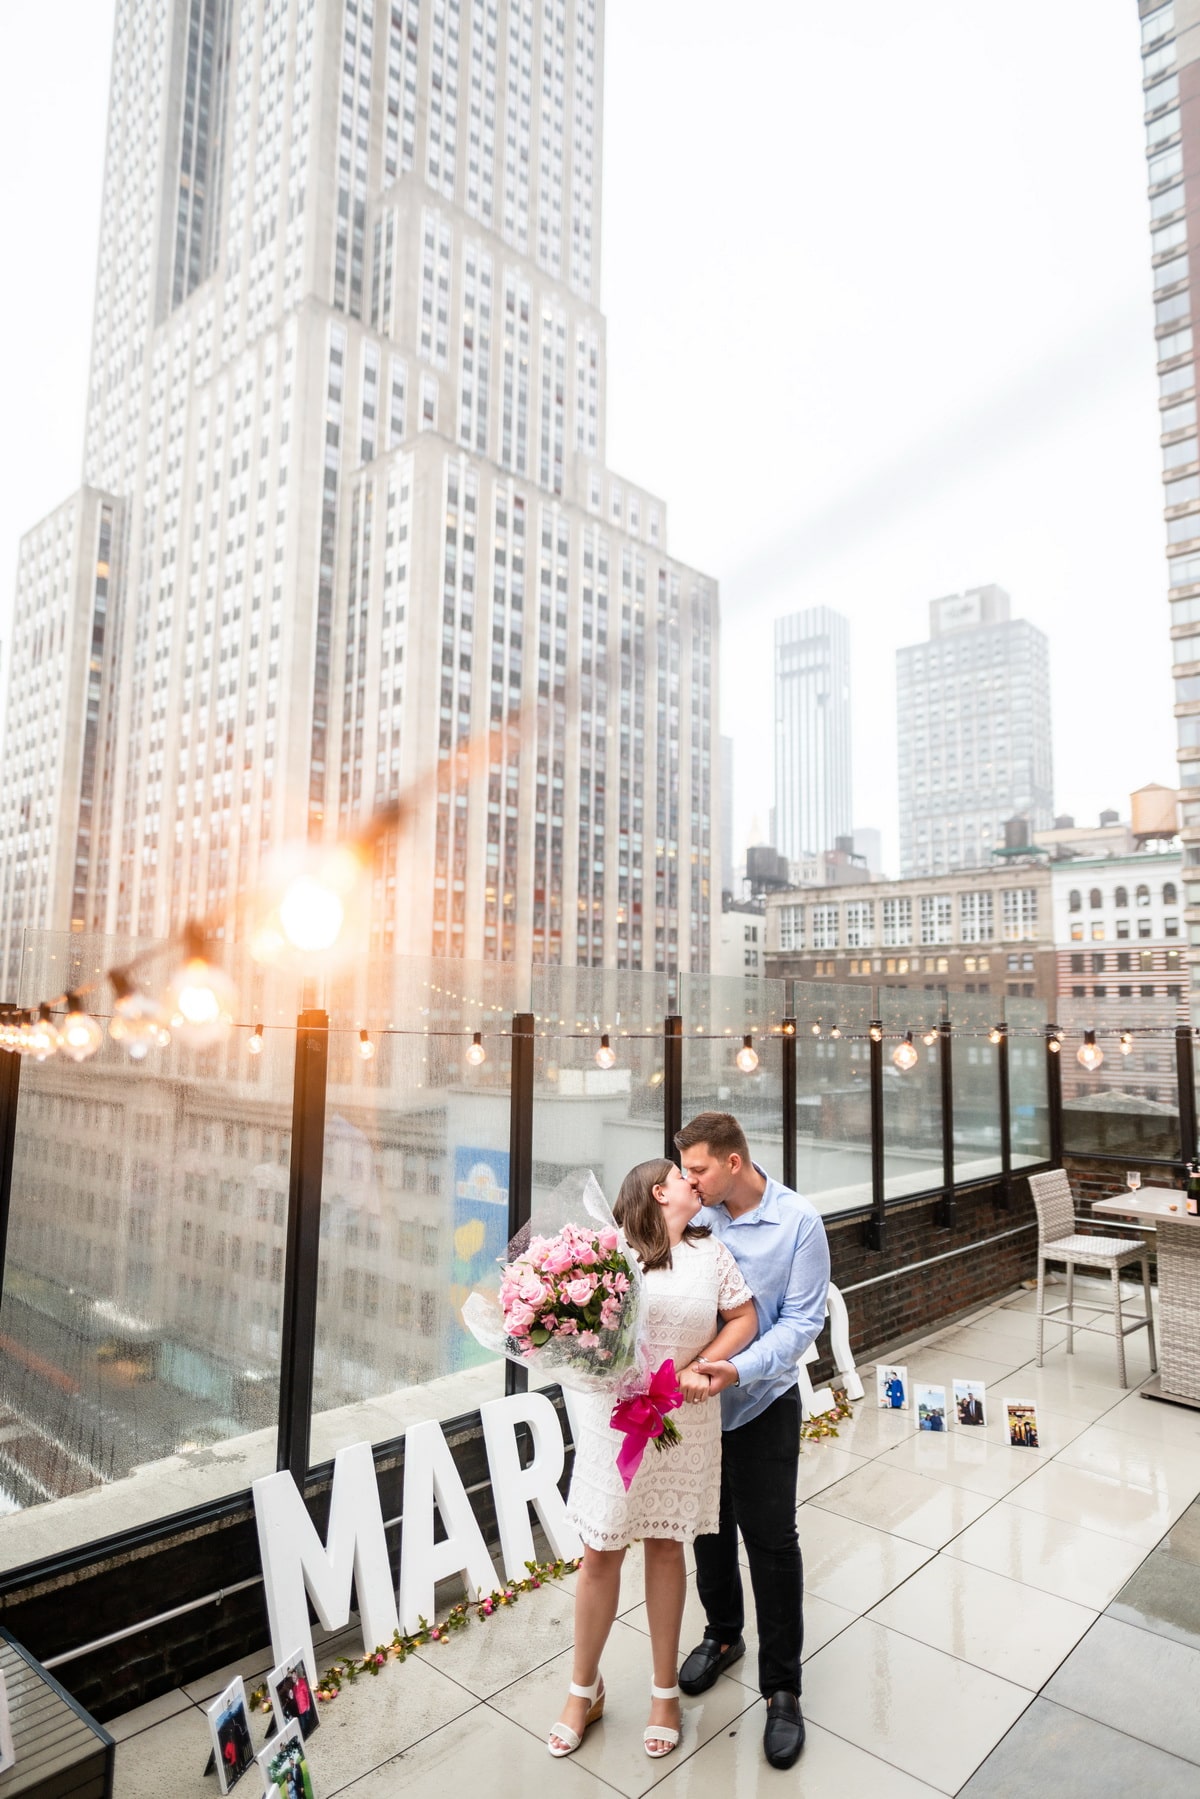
x=1171 y=88
x=346 y=505
x=812 y=732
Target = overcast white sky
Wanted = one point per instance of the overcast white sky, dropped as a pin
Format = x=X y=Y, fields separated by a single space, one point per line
x=879 y=328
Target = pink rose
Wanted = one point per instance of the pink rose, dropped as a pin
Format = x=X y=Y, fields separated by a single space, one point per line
x=559 y=1259
x=580 y=1291
x=531 y=1289
x=586 y=1256
x=519 y=1318
x=608 y=1239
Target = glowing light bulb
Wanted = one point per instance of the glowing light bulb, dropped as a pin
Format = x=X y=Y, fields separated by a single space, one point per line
x=928 y=1038
x=789 y=1027
x=606 y=1056
x=835 y=1030
x=1054 y=1040
x=138 y=1022
x=904 y=1056
x=255 y=1045
x=366 y=1048
x=79 y=1035
x=995 y=1034
x=816 y=1028
x=200 y=998
x=747 y=1056
x=876 y=1032
x=43 y=1038
x=1089 y=1055
x=309 y=909
x=475 y=1050
x=24 y=1035
x=1126 y=1043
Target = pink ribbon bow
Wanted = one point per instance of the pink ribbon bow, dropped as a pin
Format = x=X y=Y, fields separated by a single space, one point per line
x=643 y=1417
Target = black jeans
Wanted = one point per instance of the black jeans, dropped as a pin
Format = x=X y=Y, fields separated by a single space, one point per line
x=759 y=1469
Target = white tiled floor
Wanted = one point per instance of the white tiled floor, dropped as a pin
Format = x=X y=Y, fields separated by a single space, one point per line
x=948 y=1578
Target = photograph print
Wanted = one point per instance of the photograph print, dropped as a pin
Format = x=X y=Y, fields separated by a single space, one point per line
x=292 y=1695
x=1022 y=1423
x=891 y=1387
x=285 y=1766
x=930 y=1405
x=230 y=1723
x=970 y=1403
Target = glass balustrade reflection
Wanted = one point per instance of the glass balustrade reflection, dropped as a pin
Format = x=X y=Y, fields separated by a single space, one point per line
x=833 y=1094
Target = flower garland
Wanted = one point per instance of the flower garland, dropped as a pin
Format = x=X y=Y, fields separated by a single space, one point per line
x=347 y=1669
x=825 y=1424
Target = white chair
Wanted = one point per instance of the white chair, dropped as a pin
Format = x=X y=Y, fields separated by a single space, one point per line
x=1058 y=1241
x=813 y=1404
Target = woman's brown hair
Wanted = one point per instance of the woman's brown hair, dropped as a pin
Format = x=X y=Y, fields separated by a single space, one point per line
x=641 y=1217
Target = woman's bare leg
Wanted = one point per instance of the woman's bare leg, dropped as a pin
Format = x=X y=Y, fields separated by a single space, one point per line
x=666 y=1590
x=597 y=1592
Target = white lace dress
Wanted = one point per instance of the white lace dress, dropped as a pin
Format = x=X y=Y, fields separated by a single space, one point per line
x=677 y=1491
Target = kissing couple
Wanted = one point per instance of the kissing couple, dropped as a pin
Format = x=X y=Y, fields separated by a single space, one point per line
x=736 y=1272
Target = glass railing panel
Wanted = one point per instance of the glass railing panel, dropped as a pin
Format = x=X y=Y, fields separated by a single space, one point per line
x=974 y=1063
x=1129 y=1105
x=912 y=1099
x=833 y=1094
x=414 y=1200
x=1028 y=1094
x=718 y=1013
x=143 y=1291
x=586 y=1114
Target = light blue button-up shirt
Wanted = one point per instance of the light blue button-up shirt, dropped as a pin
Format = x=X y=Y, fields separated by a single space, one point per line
x=782 y=1251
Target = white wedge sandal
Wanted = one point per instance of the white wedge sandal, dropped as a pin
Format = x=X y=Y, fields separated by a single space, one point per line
x=661 y=1733
x=564 y=1733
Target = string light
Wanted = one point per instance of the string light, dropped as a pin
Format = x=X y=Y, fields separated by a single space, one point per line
x=816 y=1027
x=835 y=1030
x=905 y=1054
x=1126 y=1043
x=1089 y=1055
x=1054 y=1040
x=475 y=1050
x=606 y=1056
x=747 y=1056
x=366 y=1048
x=876 y=1031
x=138 y=1023
x=79 y=1035
x=310 y=893
x=255 y=1045
x=200 y=997
x=996 y=1034
x=43 y=1038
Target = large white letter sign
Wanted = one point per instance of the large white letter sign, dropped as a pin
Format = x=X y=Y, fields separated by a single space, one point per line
x=515 y=1488
x=294 y=1559
x=429 y=1474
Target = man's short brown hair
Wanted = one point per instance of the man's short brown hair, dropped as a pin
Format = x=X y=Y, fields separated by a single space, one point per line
x=720 y=1131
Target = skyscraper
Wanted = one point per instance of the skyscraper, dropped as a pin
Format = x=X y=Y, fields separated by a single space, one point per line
x=1171 y=80
x=344 y=474
x=812 y=731
x=973 y=727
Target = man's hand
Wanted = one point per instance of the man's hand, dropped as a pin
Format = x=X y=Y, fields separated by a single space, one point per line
x=694 y=1386
x=720 y=1374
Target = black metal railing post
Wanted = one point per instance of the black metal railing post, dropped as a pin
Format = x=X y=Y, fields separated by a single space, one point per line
x=1002 y=1082
x=1185 y=1074
x=672 y=1083
x=1054 y=1095
x=788 y=1097
x=876 y=1222
x=520 y=1155
x=946 y=1215
x=10 y=1086
x=301 y=1266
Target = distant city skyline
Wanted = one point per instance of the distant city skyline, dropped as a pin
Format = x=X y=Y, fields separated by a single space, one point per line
x=1017 y=434
x=813 y=801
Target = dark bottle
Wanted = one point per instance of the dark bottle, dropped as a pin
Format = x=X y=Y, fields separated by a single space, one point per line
x=1192 y=1199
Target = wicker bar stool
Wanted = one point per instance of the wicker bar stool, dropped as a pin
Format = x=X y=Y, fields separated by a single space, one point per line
x=1058 y=1241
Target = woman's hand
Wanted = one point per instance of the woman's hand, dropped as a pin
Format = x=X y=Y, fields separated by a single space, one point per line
x=694 y=1386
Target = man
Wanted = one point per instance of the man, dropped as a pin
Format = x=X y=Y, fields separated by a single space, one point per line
x=970 y=1411
x=778 y=1241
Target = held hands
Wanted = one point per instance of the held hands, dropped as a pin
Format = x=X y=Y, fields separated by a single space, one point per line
x=694 y=1385
x=720 y=1374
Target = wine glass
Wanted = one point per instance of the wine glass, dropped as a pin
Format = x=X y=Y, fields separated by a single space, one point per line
x=1133 y=1180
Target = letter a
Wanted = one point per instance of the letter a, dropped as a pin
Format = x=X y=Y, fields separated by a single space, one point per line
x=429 y=1474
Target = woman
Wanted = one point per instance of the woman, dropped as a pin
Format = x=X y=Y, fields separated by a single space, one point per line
x=692 y=1283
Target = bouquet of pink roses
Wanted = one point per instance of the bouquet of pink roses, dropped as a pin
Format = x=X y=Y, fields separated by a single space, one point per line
x=571 y=1294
